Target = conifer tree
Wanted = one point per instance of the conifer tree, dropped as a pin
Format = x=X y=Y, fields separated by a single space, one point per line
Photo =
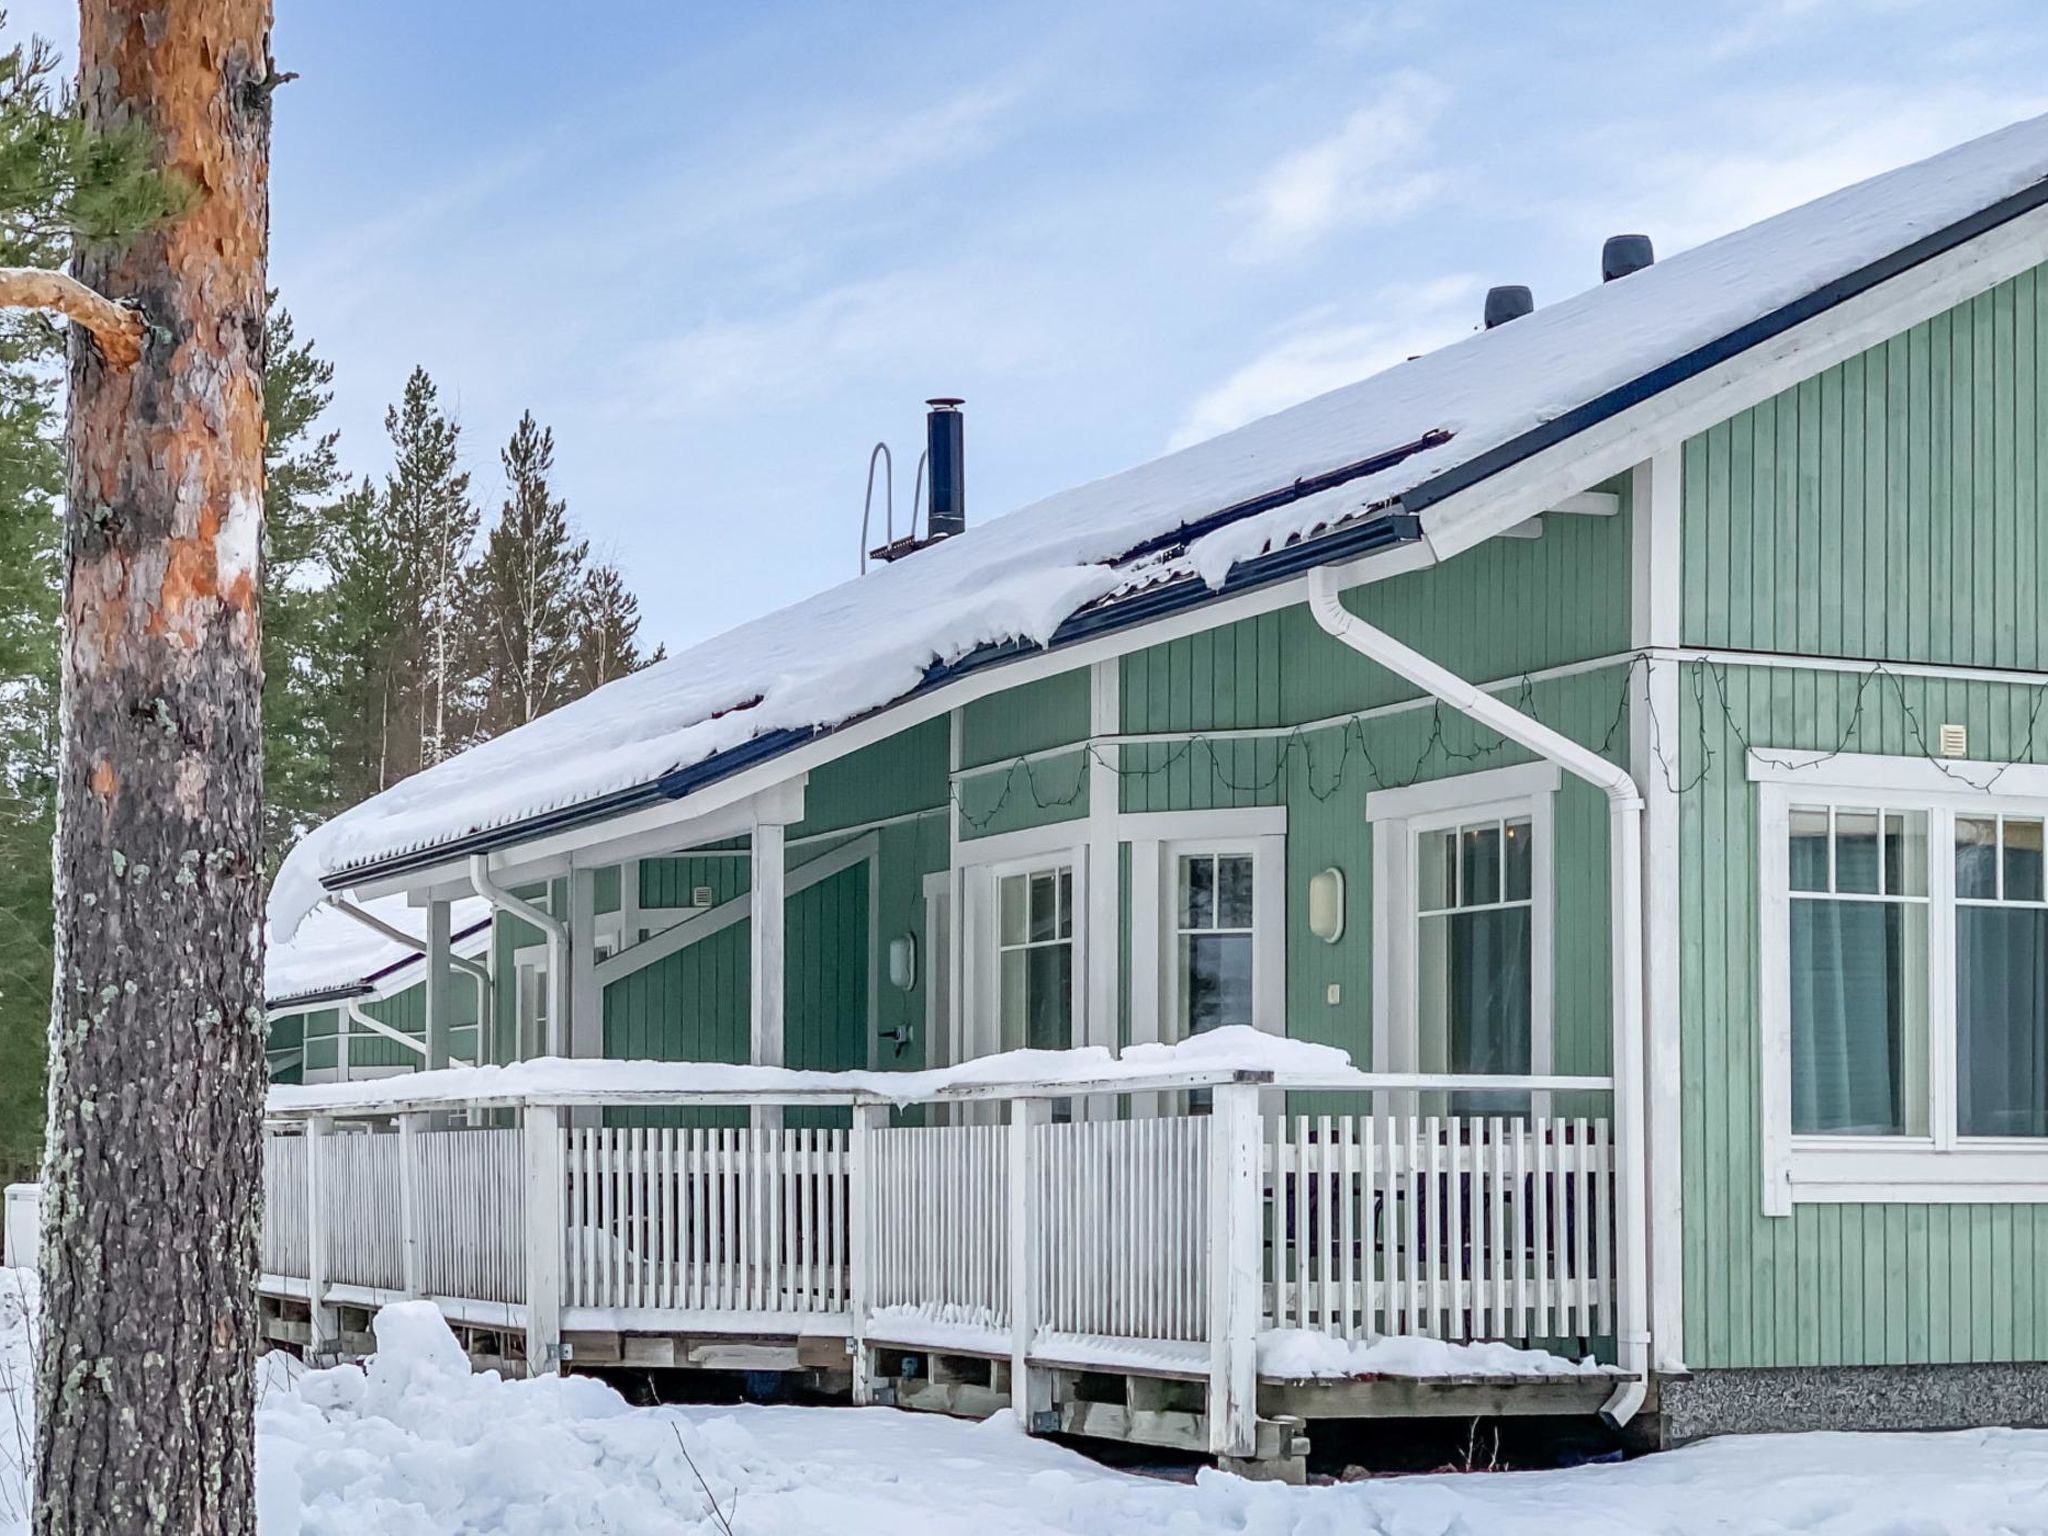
x=526 y=593
x=362 y=649
x=300 y=479
x=608 y=646
x=433 y=524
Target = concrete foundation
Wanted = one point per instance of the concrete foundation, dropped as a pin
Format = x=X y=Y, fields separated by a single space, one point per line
x=1864 y=1397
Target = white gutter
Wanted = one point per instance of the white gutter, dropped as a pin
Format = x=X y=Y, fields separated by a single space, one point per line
x=1625 y=841
x=557 y=933
x=418 y=946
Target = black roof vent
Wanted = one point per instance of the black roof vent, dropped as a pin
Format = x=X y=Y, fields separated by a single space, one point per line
x=1623 y=254
x=945 y=451
x=1511 y=301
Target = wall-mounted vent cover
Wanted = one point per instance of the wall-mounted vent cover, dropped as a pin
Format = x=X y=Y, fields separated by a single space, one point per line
x=700 y=896
x=1955 y=741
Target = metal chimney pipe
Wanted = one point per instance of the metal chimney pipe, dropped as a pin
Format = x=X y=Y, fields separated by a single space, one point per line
x=1623 y=254
x=945 y=449
x=1510 y=301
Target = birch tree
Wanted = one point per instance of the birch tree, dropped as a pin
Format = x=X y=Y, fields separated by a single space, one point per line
x=146 y=1372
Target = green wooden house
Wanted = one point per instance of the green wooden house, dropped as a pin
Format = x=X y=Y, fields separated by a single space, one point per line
x=1648 y=687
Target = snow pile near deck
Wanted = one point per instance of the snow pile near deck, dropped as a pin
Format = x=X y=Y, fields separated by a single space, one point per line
x=1233 y=1049
x=869 y=642
x=417 y=1446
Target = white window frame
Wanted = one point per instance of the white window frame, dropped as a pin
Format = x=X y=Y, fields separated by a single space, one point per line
x=982 y=863
x=1941 y=1166
x=1399 y=819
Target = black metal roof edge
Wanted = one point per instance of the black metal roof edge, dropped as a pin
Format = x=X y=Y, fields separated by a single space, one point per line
x=300 y=1001
x=1141 y=607
x=1485 y=465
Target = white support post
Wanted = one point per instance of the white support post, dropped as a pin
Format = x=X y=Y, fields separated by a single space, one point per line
x=342 y=1017
x=585 y=1035
x=1030 y=1390
x=860 y=1243
x=440 y=985
x=1234 y=1270
x=409 y=1201
x=545 y=1230
x=325 y=1327
x=770 y=880
x=1105 y=795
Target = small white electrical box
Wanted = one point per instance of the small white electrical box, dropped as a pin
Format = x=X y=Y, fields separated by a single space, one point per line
x=1334 y=993
x=1955 y=741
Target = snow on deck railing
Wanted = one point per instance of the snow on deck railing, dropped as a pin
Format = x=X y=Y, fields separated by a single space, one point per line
x=1224 y=1056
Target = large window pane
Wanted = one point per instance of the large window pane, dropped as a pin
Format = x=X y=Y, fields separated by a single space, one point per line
x=1858 y=1017
x=1475 y=1000
x=1216 y=980
x=1051 y=1002
x=2002 y=1020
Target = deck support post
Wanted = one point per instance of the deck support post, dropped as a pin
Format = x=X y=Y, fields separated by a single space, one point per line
x=409 y=1202
x=860 y=1243
x=545 y=1228
x=440 y=986
x=1030 y=1390
x=770 y=883
x=326 y=1329
x=1234 y=1270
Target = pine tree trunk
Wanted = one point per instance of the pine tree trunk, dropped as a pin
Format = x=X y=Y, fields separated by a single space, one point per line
x=146 y=1387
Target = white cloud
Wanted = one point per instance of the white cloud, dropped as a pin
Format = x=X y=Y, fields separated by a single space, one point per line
x=1374 y=169
x=1319 y=353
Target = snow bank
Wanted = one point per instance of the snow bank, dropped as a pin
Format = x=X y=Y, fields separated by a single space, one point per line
x=1235 y=1049
x=1301 y=1354
x=869 y=642
x=417 y=1446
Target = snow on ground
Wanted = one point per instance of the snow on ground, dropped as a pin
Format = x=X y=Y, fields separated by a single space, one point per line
x=1300 y=1354
x=417 y=1446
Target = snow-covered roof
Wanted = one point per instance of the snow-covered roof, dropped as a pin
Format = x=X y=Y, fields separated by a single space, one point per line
x=870 y=642
x=333 y=955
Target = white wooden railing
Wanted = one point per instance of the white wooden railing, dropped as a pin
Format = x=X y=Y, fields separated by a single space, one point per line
x=1164 y=1241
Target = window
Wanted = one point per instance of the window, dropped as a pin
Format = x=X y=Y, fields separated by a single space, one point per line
x=1903 y=979
x=1213 y=941
x=1475 y=946
x=1035 y=964
x=1464 y=938
x=1858 y=959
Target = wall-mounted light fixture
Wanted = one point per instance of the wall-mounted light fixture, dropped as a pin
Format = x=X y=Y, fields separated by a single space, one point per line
x=903 y=962
x=1326 y=905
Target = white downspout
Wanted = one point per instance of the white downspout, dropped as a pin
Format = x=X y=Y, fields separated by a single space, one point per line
x=418 y=946
x=1625 y=834
x=558 y=944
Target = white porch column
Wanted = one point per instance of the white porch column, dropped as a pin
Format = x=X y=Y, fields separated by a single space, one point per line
x=409 y=1127
x=325 y=1326
x=545 y=1228
x=770 y=882
x=1234 y=1270
x=1105 y=795
x=585 y=1036
x=1030 y=1391
x=440 y=985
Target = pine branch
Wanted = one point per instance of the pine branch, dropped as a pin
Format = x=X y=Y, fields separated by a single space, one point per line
x=116 y=327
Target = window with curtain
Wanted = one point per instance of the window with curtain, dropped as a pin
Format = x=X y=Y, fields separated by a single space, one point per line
x=1858 y=889
x=1035 y=959
x=2001 y=959
x=1213 y=940
x=1475 y=917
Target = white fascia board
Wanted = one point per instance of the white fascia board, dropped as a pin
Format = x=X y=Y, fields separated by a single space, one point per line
x=1555 y=474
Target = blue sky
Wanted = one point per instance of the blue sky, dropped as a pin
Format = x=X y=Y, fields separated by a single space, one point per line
x=722 y=249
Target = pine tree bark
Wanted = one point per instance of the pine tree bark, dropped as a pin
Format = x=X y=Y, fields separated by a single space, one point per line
x=146 y=1381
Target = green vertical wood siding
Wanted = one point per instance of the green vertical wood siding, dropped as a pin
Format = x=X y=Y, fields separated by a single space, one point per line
x=1831 y=1284
x=1891 y=507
